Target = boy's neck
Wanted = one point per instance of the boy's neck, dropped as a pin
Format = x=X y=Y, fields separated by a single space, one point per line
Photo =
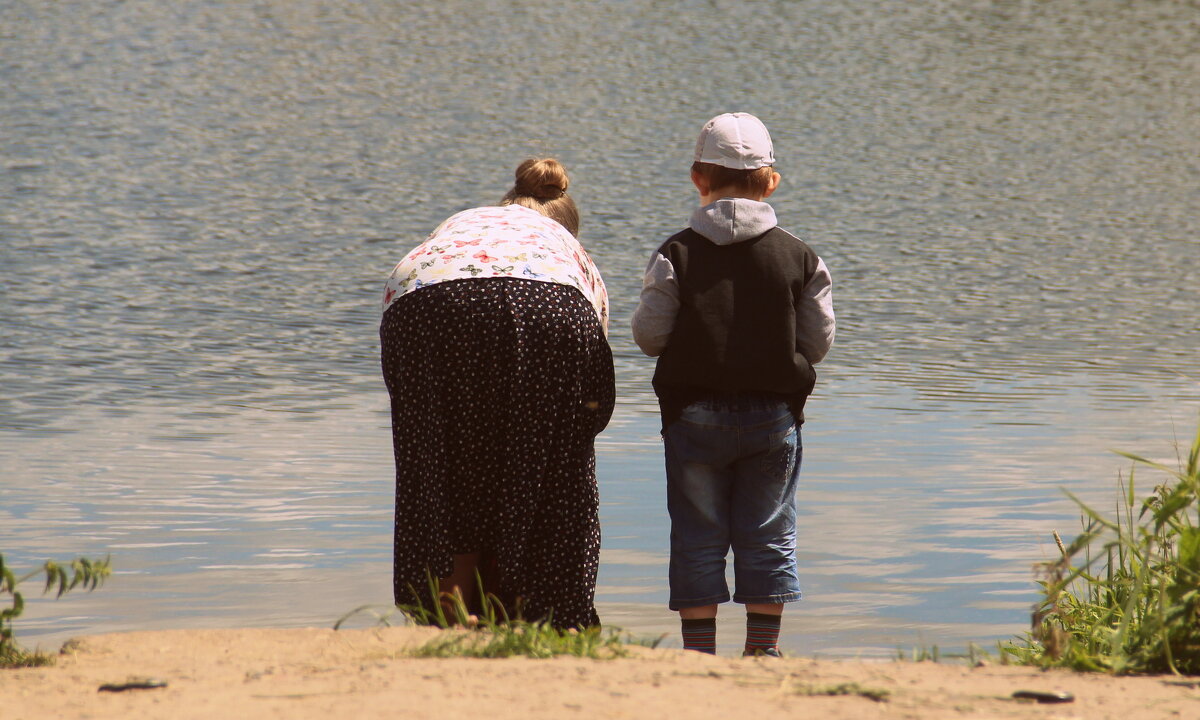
x=711 y=198
x=710 y=194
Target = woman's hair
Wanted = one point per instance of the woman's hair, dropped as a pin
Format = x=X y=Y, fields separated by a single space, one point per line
x=541 y=184
x=719 y=177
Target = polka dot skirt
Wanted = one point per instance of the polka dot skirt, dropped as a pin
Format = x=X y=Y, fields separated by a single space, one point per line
x=498 y=388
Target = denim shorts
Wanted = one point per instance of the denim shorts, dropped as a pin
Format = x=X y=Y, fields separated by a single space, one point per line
x=732 y=467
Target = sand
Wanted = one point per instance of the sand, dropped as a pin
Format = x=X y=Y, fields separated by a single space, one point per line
x=313 y=673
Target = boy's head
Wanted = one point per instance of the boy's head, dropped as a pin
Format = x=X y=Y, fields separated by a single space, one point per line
x=733 y=157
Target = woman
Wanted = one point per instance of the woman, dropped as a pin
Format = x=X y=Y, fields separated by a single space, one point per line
x=500 y=375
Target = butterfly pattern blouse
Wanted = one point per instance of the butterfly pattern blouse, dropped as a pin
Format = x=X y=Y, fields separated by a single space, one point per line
x=502 y=241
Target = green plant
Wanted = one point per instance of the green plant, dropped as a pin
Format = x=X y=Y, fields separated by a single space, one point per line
x=493 y=634
x=1139 y=612
x=81 y=572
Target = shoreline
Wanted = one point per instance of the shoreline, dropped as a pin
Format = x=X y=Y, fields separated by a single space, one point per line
x=311 y=673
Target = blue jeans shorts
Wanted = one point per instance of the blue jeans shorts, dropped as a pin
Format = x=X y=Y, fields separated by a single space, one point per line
x=732 y=467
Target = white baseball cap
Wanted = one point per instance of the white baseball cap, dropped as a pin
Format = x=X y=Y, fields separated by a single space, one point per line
x=735 y=140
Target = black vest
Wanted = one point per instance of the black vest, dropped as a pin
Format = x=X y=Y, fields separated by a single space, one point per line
x=736 y=327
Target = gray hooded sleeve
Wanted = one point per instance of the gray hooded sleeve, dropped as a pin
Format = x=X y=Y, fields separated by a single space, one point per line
x=815 y=323
x=654 y=318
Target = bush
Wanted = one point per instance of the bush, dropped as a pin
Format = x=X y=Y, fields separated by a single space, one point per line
x=1140 y=611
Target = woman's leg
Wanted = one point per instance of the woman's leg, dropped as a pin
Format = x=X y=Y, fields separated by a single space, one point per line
x=561 y=393
x=423 y=335
x=461 y=583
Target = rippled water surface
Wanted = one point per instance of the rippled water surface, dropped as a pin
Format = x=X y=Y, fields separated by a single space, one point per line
x=199 y=202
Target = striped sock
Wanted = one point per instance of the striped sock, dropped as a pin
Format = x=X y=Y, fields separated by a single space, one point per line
x=700 y=635
x=762 y=632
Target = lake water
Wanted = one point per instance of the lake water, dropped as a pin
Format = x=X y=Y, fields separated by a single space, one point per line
x=200 y=200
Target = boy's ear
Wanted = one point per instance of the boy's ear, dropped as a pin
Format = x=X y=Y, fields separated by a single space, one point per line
x=773 y=184
x=701 y=183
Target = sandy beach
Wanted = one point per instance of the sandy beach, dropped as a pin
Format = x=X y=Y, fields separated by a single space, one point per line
x=311 y=673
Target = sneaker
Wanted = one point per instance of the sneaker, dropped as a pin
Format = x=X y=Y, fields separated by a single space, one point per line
x=762 y=652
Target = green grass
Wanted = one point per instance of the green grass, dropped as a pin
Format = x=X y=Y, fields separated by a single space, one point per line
x=920 y=653
x=82 y=572
x=493 y=634
x=972 y=656
x=1132 y=604
x=521 y=639
x=14 y=656
x=846 y=688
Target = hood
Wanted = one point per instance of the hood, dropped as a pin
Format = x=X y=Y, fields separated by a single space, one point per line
x=731 y=220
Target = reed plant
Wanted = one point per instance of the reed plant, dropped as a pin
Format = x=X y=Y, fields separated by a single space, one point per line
x=82 y=572
x=1132 y=605
x=492 y=633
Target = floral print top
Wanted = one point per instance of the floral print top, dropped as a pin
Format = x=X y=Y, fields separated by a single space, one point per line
x=502 y=241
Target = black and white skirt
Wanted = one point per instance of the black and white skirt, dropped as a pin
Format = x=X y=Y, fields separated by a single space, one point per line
x=498 y=388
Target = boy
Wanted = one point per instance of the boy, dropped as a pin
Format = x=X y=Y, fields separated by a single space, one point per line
x=737 y=311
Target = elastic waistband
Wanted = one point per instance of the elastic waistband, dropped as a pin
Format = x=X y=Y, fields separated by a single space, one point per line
x=739 y=401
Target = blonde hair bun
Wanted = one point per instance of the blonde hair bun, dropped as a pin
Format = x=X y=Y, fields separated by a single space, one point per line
x=541 y=178
x=541 y=185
